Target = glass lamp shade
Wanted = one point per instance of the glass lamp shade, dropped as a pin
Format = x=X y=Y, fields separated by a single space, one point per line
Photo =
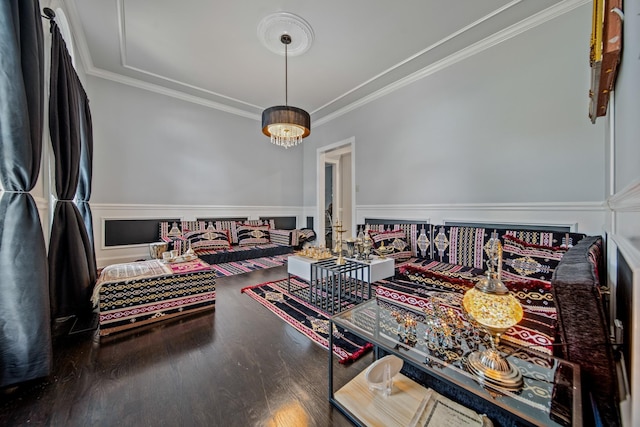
x=286 y=126
x=496 y=312
x=491 y=305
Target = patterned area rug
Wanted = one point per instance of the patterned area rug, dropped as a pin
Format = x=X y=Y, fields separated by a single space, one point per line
x=307 y=319
x=240 y=267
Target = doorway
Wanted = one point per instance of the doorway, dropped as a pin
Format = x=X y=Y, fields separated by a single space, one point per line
x=330 y=170
x=336 y=191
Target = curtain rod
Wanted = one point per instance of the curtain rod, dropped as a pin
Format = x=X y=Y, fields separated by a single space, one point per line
x=49 y=13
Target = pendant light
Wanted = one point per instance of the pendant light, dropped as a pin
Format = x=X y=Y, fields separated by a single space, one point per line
x=285 y=125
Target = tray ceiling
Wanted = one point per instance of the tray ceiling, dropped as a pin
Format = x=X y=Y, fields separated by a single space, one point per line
x=210 y=51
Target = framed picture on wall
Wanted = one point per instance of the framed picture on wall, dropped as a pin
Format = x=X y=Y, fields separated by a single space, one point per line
x=604 y=55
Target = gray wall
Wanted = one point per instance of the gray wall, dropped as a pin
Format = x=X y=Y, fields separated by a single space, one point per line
x=626 y=125
x=154 y=149
x=627 y=102
x=507 y=125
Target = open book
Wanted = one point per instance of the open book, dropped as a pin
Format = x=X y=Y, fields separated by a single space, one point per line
x=435 y=410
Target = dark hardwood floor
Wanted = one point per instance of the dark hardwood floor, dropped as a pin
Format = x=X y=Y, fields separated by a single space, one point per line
x=238 y=365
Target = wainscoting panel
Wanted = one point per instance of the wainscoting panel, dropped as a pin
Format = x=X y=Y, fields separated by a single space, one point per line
x=111 y=253
x=583 y=217
x=586 y=217
x=126 y=232
x=624 y=281
x=625 y=211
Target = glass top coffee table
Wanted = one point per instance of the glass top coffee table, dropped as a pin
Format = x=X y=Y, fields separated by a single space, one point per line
x=551 y=395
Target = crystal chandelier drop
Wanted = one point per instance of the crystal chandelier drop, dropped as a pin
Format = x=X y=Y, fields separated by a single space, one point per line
x=285 y=125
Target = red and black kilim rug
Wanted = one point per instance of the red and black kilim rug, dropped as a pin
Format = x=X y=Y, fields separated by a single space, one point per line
x=306 y=318
x=240 y=267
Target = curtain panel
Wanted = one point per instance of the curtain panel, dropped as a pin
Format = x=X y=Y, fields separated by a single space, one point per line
x=72 y=266
x=25 y=334
x=83 y=194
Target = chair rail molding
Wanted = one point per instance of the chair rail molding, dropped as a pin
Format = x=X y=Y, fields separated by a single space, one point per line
x=584 y=217
x=627 y=199
x=102 y=212
x=191 y=212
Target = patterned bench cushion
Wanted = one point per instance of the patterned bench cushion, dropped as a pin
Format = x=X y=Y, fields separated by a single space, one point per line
x=135 y=294
x=526 y=253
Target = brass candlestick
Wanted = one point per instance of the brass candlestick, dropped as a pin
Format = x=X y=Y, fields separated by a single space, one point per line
x=338 y=249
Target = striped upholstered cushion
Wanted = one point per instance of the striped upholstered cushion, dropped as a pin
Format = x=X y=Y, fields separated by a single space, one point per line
x=252 y=234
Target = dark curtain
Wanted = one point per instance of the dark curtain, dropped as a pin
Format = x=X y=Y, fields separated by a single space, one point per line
x=25 y=334
x=83 y=194
x=72 y=271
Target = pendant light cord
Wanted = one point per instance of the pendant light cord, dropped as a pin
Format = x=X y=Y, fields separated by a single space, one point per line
x=286 y=77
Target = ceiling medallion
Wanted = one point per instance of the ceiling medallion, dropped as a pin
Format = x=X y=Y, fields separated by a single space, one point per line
x=285 y=125
x=273 y=26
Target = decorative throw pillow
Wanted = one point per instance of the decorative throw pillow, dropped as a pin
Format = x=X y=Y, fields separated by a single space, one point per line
x=423 y=244
x=169 y=231
x=523 y=261
x=252 y=234
x=231 y=227
x=270 y=222
x=394 y=241
x=283 y=237
x=212 y=239
x=411 y=234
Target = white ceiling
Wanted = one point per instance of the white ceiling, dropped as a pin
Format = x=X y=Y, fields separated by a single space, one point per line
x=208 y=51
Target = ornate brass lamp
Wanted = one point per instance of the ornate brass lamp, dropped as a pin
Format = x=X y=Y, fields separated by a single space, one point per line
x=494 y=308
x=339 y=230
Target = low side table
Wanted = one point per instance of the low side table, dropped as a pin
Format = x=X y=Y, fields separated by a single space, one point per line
x=379 y=268
x=300 y=267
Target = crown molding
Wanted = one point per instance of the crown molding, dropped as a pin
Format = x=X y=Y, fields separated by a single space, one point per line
x=499 y=37
x=77 y=33
x=122 y=41
x=478 y=47
x=130 y=81
x=423 y=51
x=90 y=69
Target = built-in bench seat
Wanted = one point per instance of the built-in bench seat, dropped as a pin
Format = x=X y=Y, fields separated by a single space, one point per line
x=222 y=241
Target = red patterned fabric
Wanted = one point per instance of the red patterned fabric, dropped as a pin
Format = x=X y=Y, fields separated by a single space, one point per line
x=395 y=241
x=537 y=328
x=201 y=241
x=249 y=235
x=525 y=261
x=189 y=266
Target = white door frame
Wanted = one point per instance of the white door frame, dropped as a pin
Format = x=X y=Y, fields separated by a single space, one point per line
x=349 y=145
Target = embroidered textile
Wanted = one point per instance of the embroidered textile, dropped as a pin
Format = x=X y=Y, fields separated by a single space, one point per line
x=253 y=235
x=307 y=319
